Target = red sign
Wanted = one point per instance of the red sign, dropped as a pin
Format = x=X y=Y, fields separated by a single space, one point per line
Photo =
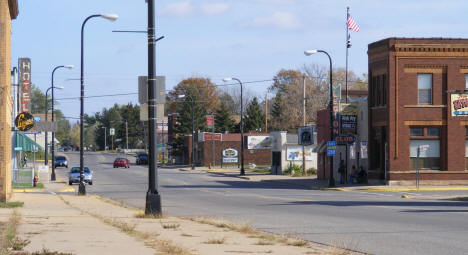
x=210 y=120
x=345 y=139
x=209 y=136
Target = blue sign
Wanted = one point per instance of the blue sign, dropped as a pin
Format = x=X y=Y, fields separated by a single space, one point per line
x=331 y=152
x=37 y=118
x=331 y=144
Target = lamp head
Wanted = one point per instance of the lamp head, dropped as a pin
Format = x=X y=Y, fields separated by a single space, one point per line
x=309 y=52
x=58 y=87
x=227 y=79
x=180 y=96
x=69 y=66
x=111 y=17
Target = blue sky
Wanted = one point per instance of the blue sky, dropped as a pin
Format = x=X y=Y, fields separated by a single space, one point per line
x=248 y=39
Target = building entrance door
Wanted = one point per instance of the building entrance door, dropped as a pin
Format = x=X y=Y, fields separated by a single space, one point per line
x=276 y=162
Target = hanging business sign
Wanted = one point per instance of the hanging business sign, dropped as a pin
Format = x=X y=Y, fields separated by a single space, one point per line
x=209 y=121
x=336 y=111
x=348 y=124
x=24 y=121
x=459 y=103
x=24 y=69
x=230 y=155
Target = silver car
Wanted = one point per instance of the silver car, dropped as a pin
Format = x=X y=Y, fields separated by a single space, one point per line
x=74 y=175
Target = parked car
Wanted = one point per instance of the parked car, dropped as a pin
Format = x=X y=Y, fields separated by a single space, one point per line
x=121 y=162
x=142 y=159
x=74 y=175
x=61 y=161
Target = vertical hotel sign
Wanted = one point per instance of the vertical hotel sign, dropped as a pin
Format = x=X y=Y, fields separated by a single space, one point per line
x=24 y=65
x=336 y=112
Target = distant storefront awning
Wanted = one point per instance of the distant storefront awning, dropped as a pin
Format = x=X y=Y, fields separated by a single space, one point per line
x=24 y=143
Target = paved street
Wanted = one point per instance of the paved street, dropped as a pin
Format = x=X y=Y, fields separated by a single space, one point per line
x=371 y=222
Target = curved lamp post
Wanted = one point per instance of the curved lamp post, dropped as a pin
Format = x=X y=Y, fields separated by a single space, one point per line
x=46 y=110
x=331 y=181
x=111 y=17
x=52 y=176
x=242 y=170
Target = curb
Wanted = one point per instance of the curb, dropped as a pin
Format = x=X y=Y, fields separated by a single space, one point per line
x=28 y=190
x=415 y=189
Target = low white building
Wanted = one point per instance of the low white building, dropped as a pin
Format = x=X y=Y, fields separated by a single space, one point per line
x=285 y=151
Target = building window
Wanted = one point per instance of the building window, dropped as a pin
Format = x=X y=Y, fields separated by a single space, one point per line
x=417 y=131
x=425 y=148
x=466 y=81
x=433 y=131
x=425 y=88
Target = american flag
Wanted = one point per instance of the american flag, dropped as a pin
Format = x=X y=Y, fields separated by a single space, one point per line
x=352 y=24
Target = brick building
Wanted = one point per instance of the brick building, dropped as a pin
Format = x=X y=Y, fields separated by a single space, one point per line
x=417 y=107
x=8 y=11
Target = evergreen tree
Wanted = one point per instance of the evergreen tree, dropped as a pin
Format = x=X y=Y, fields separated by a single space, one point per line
x=276 y=111
x=254 y=119
x=223 y=119
x=184 y=121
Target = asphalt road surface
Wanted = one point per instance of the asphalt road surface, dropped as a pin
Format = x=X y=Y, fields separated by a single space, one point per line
x=370 y=222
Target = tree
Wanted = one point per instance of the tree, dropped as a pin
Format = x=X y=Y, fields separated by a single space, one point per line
x=223 y=119
x=204 y=90
x=184 y=121
x=38 y=100
x=254 y=119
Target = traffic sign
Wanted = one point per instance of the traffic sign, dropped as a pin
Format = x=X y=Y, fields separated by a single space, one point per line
x=331 y=152
x=111 y=131
x=331 y=143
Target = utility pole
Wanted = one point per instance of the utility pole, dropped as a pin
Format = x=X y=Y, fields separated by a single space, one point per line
x=126 y=133
x=303 y=121
x=266 y=113
x=153 y=199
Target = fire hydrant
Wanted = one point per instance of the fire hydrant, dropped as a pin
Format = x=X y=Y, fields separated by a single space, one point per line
x=35 y=181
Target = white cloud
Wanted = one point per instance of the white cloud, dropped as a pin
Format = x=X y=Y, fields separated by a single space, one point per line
x=214 y=8
x=281 y=20
x=178 y=9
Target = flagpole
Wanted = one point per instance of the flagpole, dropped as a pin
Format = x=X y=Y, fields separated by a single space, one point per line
x=347 y=47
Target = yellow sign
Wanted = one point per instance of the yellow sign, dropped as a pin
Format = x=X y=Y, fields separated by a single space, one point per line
x=24 y=121
x=459 y=104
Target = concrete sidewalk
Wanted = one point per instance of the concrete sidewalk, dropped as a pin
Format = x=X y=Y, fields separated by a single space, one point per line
x=311 y=182
x=56 y=219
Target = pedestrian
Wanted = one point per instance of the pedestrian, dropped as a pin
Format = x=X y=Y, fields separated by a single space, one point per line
x=25 y=159
x=341 y=170
x=354 y=175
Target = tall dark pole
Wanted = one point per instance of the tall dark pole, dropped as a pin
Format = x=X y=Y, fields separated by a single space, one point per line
x=193 y=133
x=331 y=181
x=46 y=148
x=242 y=170
x=52 y=176
x=82 y=188
x=153 y=199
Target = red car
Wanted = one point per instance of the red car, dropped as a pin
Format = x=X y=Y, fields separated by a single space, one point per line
x=121 y=162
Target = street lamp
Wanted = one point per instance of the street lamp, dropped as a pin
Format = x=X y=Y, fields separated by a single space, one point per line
x=111 y=17
x=242 y=171
x=193 y=129
x=46 y=148
x=52 y=176
x=331 y=181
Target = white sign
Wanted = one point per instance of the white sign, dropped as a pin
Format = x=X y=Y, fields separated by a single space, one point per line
x=295 y=153
x=230 y=155
x=305 y=135
x=258 y=142
x=111 y=131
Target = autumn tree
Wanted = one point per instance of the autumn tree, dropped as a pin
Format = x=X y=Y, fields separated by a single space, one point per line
x=254 y=119
x=204 y=90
